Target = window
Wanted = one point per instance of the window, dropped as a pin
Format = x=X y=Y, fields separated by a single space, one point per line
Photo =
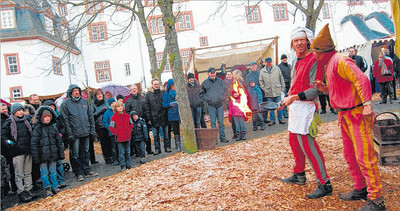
x=49 y=25
x=253 y=14
x=204 y=41
x=325 y=11
x=127 y=69
x=7 y=19
x=71 y=68
x=156 y=25
x=184 y=21
x=56 y=66
x=12 y=64
x=280 y=12
x=103 y=72
x=354 y=2
x=16 y=94
x=62 y=10
x=185 y=54
x=94 y=7
x=159 y=57
x=98 y=32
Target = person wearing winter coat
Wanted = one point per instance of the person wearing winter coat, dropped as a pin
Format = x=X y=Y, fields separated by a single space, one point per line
x=170 y=103
x=157 y=116
x=61 y=132
x=121 y=127
x=193 y=89
x=214 y=93
x=112 y=144
x=136 y=102
x=382 y=65
x=286 y=69
x=139 y=134
x=254 y=74
x=255 y=97
x=5 y=176
x=16 y=135
x=47 y=148
x=77 y=117
x=100 y=106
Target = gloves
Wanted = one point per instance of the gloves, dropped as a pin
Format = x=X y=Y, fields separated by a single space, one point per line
x=10 y=144
x=70 y=138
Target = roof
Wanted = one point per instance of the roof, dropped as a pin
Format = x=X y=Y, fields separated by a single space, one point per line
x=29 y=22
x=383 y=19
x=359 y=23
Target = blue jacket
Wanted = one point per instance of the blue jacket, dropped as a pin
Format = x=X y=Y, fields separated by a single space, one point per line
x=255 y=97
x=169 y=102
x=107 y=119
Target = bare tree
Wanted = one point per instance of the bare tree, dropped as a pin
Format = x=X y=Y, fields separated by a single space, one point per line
x=174 y=58
x=310 y=11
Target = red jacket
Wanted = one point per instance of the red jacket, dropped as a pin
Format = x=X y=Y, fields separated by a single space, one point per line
x=376 y=71
x=121 y=127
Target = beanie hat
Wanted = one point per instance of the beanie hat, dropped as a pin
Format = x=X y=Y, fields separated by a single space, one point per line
x=49 y=103
x=120 y=97
x=16 y=107
x=190 y=75
x=110 y=101
x=45 y=113
x=323 y=42
x=283 y=56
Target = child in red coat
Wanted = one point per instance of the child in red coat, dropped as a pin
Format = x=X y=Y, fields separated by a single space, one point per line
x=238 y=115
x=121 y=127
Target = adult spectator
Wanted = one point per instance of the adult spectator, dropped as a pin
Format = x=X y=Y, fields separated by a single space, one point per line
x=99 y=107
x=229 y=79
x=383 y=72
x=33 y=100
x=214 y=93
x=108 y=95
x=170 y=104
x=157 y=116
x=193 y=89
x=136 y=102
x=394 y=61
x=4 y=112
x=350 y=92
x=77 y=117
x=359 y=60
x=302 y=106
x=253 y=74
x=285 y=70
x=272 y=82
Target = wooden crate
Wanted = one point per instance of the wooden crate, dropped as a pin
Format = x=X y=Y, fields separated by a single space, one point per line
x=387 y=130
x=388 y=152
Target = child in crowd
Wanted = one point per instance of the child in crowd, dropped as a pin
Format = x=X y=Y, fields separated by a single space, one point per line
x=106 y=122
x=47 y=148
x=121 y=127
x=16 y=134
x=255 y=97
x=236 y=114
x=139 y=134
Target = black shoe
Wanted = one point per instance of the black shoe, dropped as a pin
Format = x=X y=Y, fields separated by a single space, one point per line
x=321 y=191
x=63 y=185
x=323 y=112
x=55 y=190
x=94 y=162
x=168 y=149
x=354 y=195
x=23 y=197
x=377 y=204
x=150 y=152
x=157 y=152
x=30 y=194
x=282 y=122
x=296 y=178
x=254 y=128
x=142 y=161
x=224 y=140
x=390 y=100
x=128 y=167
x=238 y=136
x=48 y=192
x=243 y=135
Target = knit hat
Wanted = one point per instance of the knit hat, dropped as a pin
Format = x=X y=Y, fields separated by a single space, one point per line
x=190 y=75
x=16 y=107
x=252 y=80
x=283 y=56
x=45 y=113
x=268 y=59
x=323 y=42
x=110 y=101
x=120 y=97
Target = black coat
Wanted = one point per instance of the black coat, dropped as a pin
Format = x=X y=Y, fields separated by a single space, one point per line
x=214 y=92
x=139 y=131
x=154 y=110
x=136 y=103
x=77 y=116
x=22 y=145
x=360 y=62
x=99 y=108
x=46 y=144
x=285 y=70
x=194 y=94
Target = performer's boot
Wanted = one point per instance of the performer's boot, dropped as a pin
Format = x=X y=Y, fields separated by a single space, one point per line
x=296 y=178
x=354 y=195
x=376 y=204
x=321 y=191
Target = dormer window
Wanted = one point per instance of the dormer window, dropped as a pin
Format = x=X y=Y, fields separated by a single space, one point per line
x=7 y=19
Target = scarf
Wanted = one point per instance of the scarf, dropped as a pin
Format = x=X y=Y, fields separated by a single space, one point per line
x=384 y=70
x=13 y=125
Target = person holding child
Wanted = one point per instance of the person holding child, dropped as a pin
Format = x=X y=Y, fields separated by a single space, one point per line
x=47 y=148
x=139 y=134
x=121 y=127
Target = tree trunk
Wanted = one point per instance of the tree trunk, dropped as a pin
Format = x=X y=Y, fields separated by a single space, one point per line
x=154 y=70
x=189 y=138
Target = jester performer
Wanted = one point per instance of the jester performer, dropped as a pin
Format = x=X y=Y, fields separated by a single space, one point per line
x=350 y=93
x=302 y=109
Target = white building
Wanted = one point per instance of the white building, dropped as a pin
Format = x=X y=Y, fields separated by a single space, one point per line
x=103 y=57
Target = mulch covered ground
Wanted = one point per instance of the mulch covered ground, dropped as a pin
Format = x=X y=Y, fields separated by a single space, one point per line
x=238 y=176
